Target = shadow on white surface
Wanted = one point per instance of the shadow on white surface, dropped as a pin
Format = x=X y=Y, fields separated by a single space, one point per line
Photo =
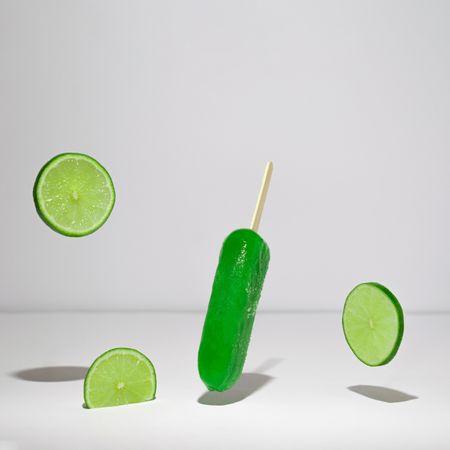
x=382 y=394
x=247 y=385
x=270 y=363
x=51 y=374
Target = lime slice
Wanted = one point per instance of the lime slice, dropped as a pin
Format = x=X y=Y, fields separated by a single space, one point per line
x=118 y=377
x=74 y=194
x=373 y=323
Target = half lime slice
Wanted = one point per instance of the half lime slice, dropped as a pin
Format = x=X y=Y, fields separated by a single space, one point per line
x=373 y=323
x=118 y=377
x=74 y=194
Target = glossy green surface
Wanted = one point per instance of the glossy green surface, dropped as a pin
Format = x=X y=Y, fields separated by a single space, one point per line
x=239 y=279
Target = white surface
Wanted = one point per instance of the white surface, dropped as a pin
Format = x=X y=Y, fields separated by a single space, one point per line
x=184 y=102
x=305 y=405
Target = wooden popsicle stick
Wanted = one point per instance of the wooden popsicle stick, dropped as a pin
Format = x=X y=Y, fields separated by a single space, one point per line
x=262 y=197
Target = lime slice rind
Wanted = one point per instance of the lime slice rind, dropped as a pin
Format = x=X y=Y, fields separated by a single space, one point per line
x=110 y=381
x=102 y=210
x=375 y=330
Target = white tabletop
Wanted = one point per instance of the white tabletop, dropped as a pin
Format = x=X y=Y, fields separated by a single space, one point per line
x=302 y=386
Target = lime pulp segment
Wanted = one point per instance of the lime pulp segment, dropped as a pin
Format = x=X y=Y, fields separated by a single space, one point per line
x=74 y=194
x=118 y=377
x=373 y=323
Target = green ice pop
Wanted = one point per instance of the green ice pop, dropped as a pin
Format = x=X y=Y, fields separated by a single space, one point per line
x=237 y=286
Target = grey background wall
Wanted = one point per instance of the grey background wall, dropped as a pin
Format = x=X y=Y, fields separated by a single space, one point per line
x=184 y=102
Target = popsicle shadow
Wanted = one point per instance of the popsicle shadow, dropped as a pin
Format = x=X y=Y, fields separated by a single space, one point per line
x=268 y=364
x=382 y=394
x=51 y=374
x=247 y=385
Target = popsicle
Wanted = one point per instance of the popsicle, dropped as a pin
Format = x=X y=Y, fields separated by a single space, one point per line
x=243 y=263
